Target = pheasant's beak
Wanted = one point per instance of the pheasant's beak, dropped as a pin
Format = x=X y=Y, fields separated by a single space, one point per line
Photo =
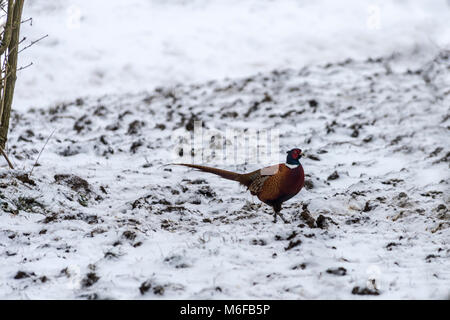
x=301 y=154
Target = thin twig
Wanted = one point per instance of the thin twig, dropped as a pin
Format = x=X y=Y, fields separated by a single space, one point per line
x=20 y=42
x=29 y=19
x=2 y=6
x=31 y=171
x=32 y=42
x=6 y=157
x=20 y=69
x=24 y=67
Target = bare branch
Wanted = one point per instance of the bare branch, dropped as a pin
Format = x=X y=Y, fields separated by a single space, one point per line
x=29 y=19
x=24 y=67
x=20 y=69
x=31 y=171
x=6 y=157
x=33 y=42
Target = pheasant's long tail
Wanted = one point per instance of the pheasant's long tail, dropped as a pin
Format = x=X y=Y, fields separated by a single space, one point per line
x=222 y=173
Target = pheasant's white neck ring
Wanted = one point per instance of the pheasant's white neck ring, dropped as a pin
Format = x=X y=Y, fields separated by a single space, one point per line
x=292 y=166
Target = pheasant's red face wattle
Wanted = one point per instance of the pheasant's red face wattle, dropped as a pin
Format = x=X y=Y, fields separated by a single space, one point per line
x=295 y=153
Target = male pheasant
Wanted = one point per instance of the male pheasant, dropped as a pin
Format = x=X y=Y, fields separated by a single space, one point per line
x=272 y=185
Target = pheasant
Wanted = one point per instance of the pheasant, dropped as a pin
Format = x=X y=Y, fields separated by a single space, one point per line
x=272 y=185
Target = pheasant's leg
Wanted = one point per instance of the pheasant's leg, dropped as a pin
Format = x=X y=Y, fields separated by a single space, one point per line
x=282 y=218
x=276 y=209
x=276 y=212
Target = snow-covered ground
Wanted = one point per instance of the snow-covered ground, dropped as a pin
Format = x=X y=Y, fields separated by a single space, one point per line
x=104 y=46
x=101 y=217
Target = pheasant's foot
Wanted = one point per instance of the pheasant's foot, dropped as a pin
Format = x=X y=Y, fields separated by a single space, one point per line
x=282 y=218
x=275 y=214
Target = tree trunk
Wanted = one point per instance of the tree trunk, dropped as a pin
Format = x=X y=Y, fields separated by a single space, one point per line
x=12 y=30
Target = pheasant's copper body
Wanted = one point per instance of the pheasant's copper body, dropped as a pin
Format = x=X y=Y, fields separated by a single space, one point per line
x=272 y=185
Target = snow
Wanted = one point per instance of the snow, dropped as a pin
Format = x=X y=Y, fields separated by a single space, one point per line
x=99 y=47
x=102 y=217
